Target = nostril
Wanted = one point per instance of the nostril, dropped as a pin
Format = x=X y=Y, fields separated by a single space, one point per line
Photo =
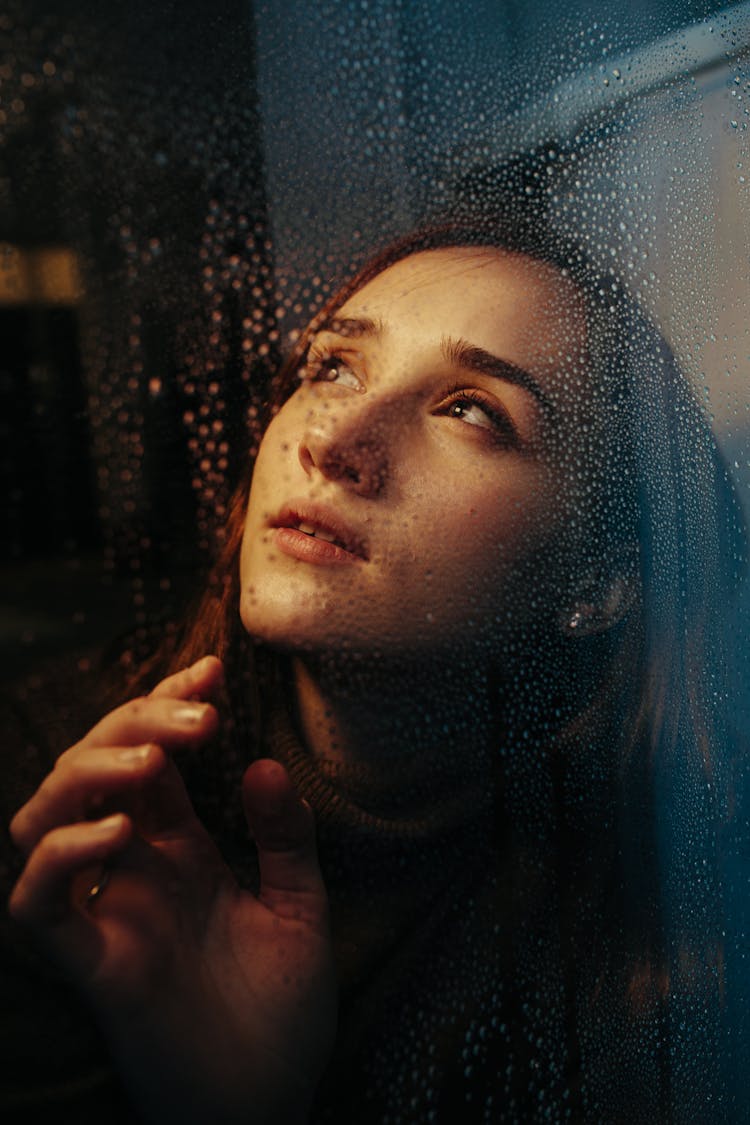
x=359 y=465
x=305 y=458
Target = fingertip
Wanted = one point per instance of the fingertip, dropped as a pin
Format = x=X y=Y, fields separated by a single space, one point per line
x=14 y=828
x=110 y=835
x=273 y=807
x=210 y=722
x=267 y=769
x=208 y=674
x=267 y=782
x=204 y=677
x=111 y=825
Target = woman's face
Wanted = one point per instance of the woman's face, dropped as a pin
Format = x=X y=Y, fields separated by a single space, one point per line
x=414 y=494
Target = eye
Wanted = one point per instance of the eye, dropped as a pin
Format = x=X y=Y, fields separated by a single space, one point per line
x=473 y=408
x=326 y=367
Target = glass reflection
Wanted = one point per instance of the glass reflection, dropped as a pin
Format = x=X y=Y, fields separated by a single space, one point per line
x=478 y=611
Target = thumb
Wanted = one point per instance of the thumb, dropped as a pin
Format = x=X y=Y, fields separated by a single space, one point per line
x=283 y=828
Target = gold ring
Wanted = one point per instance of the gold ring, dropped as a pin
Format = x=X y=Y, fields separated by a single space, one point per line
x=97 y=889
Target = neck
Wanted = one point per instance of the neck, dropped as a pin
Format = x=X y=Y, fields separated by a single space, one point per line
x=366 y=716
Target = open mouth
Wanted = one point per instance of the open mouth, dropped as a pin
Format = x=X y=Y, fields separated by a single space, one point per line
x=323 y=525
x=320 y=533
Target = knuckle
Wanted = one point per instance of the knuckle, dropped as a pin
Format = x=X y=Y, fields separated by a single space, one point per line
x=116 y=724
x=18 y=901
x=52 y=850
x=70 y=775
x=60 y=849
x=68 y=772
x=134 y=708
x=17 y=827
x=63 y=761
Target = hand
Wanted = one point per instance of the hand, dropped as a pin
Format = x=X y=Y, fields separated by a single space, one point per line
x=219 y=1005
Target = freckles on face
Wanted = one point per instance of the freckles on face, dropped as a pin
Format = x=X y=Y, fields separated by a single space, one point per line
x=404 y=496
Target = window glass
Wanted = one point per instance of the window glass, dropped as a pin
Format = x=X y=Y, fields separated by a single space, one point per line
x=550 y=922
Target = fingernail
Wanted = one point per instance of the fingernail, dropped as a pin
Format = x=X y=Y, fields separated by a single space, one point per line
x=189 y=713
x=134 y=754
x=109 y=823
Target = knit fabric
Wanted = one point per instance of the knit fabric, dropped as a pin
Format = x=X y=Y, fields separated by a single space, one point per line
x=432 y=1027
x=454 y=1002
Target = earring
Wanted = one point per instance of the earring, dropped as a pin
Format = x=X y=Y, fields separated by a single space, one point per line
x=601 y=597
x=582 y=620
x=574 y=621
x=587 y=618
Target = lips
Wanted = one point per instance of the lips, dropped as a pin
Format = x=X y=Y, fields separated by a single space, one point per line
x=333 y=539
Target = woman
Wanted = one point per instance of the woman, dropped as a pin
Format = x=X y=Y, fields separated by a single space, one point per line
x=474 y=620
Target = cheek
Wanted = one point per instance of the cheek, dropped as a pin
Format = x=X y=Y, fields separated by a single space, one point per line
x=274 y=447
x=512 y=512
x=259 y=504
x=497 y=543
x=274 y=463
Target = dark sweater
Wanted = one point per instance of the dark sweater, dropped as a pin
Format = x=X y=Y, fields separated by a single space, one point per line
x=457 y=1004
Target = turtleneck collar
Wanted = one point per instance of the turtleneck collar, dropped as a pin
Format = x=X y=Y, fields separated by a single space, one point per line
x=413 y=800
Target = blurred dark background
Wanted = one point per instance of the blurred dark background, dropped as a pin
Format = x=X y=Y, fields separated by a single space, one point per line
x=132 y=232
x=181 y=184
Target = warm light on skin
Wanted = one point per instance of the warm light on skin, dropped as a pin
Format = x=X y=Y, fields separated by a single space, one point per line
x=458 y=499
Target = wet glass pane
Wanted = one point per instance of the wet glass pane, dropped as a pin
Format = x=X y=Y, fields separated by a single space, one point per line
x=471 y=283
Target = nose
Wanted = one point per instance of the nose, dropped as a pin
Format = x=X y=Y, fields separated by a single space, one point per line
x=348 y=443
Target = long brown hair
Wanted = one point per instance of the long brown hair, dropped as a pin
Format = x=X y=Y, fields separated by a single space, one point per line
x=634 y=736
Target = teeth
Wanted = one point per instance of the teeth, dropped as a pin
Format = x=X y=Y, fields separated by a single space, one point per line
x=317 y=533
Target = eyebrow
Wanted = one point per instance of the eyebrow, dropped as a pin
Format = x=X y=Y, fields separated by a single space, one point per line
x=352 y=326
x=458 y=352
x=463 y=354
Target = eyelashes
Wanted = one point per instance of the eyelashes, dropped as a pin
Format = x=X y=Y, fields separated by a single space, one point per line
x=327 y=367
x=475 y=408
x=469 y=405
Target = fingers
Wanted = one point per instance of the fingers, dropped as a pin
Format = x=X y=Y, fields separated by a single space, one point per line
x=91 y=894
x=284 y=831
x=203 y=680
x=42 y=897
x=168 y=721
x=140 y=780
x=81 y=785
x=122 y=764
x=123 y=755
x=176 y=712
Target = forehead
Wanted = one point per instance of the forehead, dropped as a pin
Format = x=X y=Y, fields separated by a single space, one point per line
x=508 y=303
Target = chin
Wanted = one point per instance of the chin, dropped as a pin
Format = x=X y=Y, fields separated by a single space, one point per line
x=286 y=625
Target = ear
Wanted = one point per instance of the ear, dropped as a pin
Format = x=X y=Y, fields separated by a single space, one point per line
x=603 y=595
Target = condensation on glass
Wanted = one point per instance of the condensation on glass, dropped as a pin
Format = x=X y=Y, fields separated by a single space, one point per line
x=181 y=188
